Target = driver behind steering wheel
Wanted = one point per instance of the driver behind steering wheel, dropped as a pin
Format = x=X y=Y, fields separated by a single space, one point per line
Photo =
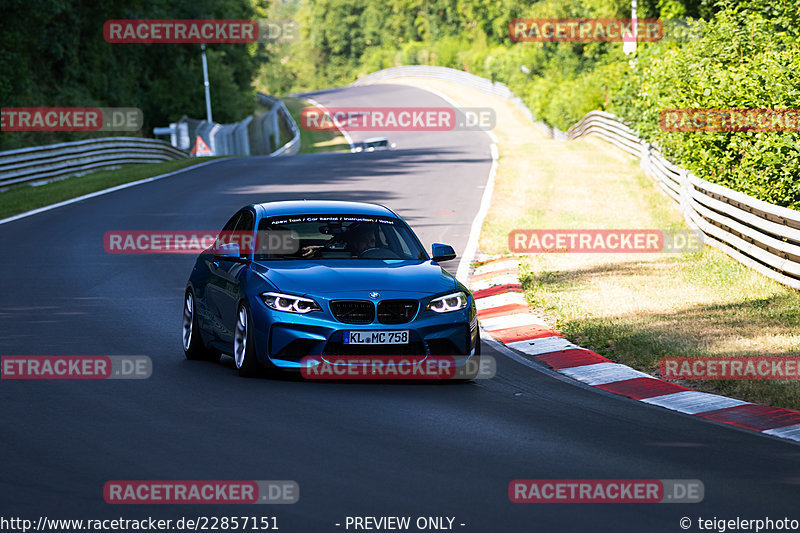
x=360 y=239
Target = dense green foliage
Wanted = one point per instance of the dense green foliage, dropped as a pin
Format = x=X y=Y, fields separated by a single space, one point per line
x=53 y=54
x=746 y=60
x=748 y=57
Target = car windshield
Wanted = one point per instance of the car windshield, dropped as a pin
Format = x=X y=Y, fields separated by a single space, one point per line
x=378 y=144
x=336 y=237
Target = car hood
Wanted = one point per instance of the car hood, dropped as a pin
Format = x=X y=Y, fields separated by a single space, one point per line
x=339 y=276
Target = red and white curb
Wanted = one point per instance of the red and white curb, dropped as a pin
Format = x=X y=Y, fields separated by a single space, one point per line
x=506 y=316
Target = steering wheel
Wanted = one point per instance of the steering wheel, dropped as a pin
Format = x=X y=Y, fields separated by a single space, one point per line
x=369 y=253
x=332 y=243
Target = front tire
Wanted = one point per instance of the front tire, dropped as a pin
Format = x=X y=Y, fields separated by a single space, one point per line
x=243 y=345
x=193 y=346
x=475 y=362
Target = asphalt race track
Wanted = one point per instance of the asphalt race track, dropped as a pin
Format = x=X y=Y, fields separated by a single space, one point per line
x=356 y=449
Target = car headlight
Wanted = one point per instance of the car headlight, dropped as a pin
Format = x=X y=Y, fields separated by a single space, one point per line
x=289 y=303
x=448 y=303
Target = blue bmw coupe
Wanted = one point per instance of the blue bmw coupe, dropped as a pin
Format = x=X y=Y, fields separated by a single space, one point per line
x=287 y=280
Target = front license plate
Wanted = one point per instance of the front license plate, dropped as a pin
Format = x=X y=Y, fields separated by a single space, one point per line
x=376 y=337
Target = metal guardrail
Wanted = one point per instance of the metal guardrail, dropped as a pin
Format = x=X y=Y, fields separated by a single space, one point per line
x=293 y=146
x=258 y=134
x=47 y=163
x=760 y=235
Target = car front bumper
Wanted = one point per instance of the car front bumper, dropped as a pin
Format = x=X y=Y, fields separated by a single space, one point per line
x=283 y=339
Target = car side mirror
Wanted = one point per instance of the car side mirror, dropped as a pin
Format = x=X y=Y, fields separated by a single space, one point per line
x=442 y=252
x=229 y=250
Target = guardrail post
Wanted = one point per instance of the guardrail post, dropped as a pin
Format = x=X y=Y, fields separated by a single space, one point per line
x=276 y=134
x=686 y=193
x=644 y=163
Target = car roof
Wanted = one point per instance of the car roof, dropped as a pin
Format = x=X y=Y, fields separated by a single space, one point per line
x=375 y=139
x=322 y=207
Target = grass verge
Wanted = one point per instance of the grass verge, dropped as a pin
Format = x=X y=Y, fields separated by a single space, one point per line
x=314 y=141
x=21 y=198
x=632 y=308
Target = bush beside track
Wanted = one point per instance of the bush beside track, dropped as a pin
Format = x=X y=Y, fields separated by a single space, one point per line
x=748 y=58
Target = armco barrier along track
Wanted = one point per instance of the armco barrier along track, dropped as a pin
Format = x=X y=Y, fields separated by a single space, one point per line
x=760 y=235
x=55 y=161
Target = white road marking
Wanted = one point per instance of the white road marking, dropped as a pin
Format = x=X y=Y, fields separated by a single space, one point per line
x=324 y=109
x=104 y=191
x=462 y=274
